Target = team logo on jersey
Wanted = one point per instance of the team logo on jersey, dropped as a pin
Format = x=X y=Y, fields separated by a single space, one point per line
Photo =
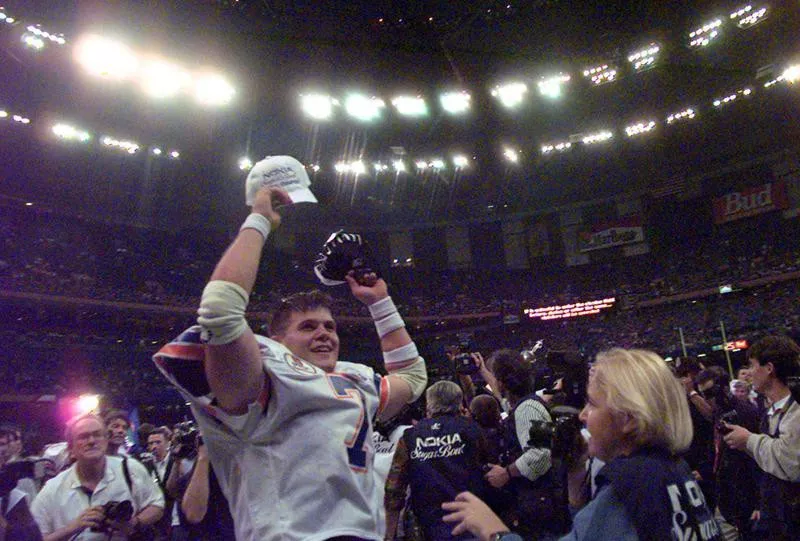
x=436 y=426
x=299 y=365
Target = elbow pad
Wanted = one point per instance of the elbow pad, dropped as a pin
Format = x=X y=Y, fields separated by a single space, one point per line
x=412 y=370
x=221 y=312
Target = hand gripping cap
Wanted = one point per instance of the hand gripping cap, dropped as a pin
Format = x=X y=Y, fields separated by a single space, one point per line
x=340 y=254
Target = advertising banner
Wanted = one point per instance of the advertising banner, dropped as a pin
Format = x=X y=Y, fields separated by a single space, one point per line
x=750 y=202
x=616 y=233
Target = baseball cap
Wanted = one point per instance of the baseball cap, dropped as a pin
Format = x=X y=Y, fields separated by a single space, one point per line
x=280 y=172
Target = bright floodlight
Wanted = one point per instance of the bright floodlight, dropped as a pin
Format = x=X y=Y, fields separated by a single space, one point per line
x=156 y=151
x=175 y=154
x=399 y=166
x=380 y=167
x=245 y=163
x=598 y=137
x=317 y=106
x=510 y=95
x=455 y=102
x=511 y=155
x=105 y=57
x=792 y=74
x=33 y=42
x=421 y=165
x=213 y=90
x=640 y=128
x=88 y=403
x=437 y=164
x=551 y=87
x=363 y=108
x=358 y=167
x=70 y=133
x=410 y=106
x=460 y=161
x=3 y=114
x=161 y=79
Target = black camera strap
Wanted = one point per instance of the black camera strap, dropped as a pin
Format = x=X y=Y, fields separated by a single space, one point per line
x=127 y=474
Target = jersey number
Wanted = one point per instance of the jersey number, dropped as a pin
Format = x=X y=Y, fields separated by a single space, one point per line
x=356 y=450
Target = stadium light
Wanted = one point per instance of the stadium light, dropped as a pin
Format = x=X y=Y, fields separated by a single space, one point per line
x=213 y=90
x=70 y=133
x=721 y=102
x=88 y=403
x=380 y=167
x=161 y=79
x=174 y=154
x=600 y=74
x=510 y=95
x=315 y=167
x=245 y=163
x=704 y=35
x=551 y=86
x=341 y=167
x=128 y=146
x=33 y=42
x=37 y=31
x=556 y=147
x=363 y=108
x=598 y=137
x=105 y=57
x=421 y=165
x=5 y=17
x=399 y=166
x=791 y=74
x=644 y=59
x=358 y=167
x=640 y=127
x=685 y=114
x=460 y=161
x=3 y=113
x=21 y=119
x=747 y=17
x=317 y=106
x=156 y=151
x=438 y=163
x=413 y=106
x=455 y=102
x=511 y=154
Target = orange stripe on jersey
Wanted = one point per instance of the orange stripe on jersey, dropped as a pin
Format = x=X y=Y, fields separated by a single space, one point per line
x=384 y=398
x=189 y=352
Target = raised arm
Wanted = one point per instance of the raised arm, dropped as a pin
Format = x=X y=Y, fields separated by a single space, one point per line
x=407 y=377
x=232 y=362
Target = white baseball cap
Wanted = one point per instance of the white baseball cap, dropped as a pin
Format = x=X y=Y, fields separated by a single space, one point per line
x=280 y=172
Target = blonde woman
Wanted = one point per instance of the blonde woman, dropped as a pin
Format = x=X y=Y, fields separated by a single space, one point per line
x=638 y=418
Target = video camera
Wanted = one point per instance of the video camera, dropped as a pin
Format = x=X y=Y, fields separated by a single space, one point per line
x=570 y=367
x=28 y=468
x=462 y=356
x=185 y=437
x=114 y=512
x=559 y=435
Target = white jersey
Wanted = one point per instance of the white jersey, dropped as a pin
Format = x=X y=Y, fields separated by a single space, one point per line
x=299 y=464
x=384 y=454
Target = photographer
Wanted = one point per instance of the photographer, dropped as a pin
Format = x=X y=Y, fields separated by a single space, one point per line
x=203 y=505
x=527 y=473
x=773 y=361
x=16 y=522
x=182 y=454
x=639 y=423
x=99 y=497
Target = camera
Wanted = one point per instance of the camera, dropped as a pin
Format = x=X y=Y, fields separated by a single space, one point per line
x=570 y=367
x=115 y=512
x=729 y=417
x=185 y=435
x=29 y=468
x=462 y=356
x=559 y=435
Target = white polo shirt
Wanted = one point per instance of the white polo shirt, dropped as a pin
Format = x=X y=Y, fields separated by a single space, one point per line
x=62 y=499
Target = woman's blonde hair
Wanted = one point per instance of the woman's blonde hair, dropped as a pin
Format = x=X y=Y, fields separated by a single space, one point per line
x=638 y=383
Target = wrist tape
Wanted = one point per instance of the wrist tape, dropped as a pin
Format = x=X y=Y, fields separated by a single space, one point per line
x=386 y=317
x=259 y=223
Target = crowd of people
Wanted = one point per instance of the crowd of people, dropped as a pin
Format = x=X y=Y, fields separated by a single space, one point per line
x=291 y=442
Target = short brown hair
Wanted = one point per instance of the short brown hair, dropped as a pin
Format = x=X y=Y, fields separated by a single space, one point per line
x=512 y=372
x=297 y=303
x=781 y=351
